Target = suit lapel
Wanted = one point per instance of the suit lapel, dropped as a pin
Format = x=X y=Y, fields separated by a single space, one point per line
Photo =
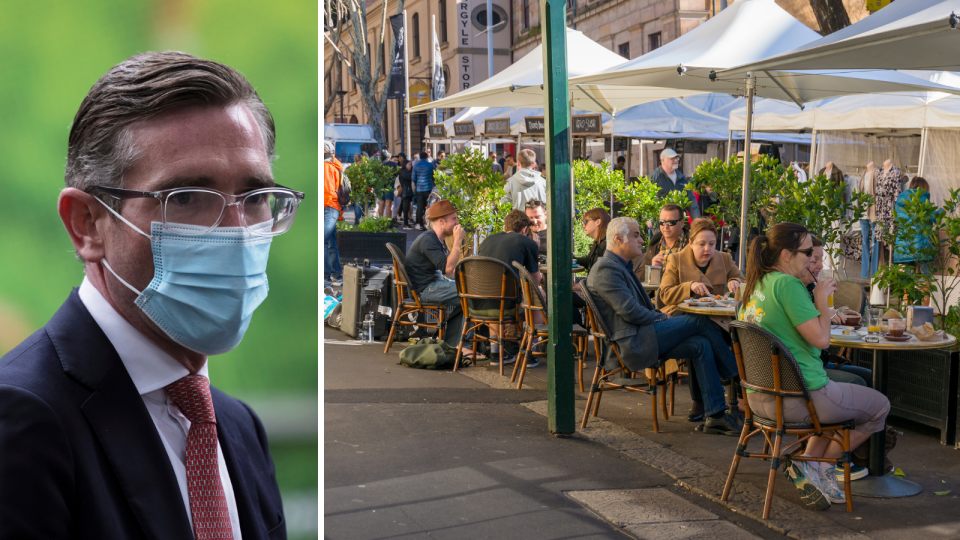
x=241 y=477
x=120 y=421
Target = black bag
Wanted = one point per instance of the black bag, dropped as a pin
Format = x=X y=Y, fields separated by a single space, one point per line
x=429 y=354
x=344 y=191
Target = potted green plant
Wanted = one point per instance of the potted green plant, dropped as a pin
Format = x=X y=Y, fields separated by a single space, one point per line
x=476 y=190
x=819 y=205
x=368 y=239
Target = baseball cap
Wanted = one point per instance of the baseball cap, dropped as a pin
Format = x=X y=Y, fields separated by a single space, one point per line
x=669 y=153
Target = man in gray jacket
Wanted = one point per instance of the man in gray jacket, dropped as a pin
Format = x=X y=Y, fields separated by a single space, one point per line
x=644 y=335
x=527 y=183
x=668 y=178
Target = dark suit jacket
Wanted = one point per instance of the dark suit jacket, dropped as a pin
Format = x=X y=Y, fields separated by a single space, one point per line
x=80 y=457
x=627 y=311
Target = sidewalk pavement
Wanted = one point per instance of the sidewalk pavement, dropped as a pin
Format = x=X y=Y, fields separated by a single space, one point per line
x=434 y=454
x=426 y=426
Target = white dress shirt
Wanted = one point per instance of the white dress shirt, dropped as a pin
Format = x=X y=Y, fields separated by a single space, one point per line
x=151 y=370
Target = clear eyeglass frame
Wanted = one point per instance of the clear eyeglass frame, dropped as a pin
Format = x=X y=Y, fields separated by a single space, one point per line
x=283 y=204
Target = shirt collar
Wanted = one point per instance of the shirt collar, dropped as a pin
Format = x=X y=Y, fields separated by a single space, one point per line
x=148 y=365
x=622 y=261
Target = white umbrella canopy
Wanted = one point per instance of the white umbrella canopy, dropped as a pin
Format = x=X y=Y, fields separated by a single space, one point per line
x=906 y=34
x=519 y=84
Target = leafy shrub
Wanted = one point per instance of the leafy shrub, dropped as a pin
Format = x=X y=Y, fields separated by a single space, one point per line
x=368 y=224
x=475 y=189
x=369 y=179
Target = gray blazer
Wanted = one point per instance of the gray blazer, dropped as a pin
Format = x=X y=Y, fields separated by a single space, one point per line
x=627 y=311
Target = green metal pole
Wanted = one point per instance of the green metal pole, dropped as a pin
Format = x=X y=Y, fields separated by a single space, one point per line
x=556 y=112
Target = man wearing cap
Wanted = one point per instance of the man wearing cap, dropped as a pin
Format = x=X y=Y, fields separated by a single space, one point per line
x=668 y=179
x=429 y=259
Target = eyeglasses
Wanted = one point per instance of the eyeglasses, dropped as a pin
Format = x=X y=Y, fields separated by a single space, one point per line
x=669 y=222
x=808 y=252
x=263 y=212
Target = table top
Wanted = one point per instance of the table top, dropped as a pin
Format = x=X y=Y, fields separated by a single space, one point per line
x=722 y=311
x=913 y=345
x=576 y=269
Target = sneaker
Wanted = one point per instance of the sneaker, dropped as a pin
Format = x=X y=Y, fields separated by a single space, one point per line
x=828 y=484
x=856 y=472
x=507 y=358
x=535 y=362
x=336 y=282
x=725 y=425
x=807 y=483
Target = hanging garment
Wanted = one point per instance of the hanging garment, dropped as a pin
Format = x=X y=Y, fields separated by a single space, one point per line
x=888 y=189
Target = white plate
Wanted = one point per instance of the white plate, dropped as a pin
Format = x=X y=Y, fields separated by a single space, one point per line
x=838 y=334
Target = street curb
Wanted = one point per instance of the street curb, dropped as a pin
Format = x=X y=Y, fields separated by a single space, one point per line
x=786 y=518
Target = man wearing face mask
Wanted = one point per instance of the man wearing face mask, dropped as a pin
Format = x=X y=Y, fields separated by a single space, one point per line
x=108 y=423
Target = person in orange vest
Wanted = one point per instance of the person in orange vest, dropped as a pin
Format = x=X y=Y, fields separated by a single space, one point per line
x=332 y=176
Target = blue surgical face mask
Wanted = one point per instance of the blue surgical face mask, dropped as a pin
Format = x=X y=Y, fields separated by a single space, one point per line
x=205 y=286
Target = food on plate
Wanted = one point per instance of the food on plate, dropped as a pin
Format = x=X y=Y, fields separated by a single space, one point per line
x=707 y=299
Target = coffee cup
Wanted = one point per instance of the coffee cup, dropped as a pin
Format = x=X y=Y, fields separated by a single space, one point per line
x=897 y=326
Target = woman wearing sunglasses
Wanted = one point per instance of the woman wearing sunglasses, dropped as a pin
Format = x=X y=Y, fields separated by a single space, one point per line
x=775 y=298
x=698 y=270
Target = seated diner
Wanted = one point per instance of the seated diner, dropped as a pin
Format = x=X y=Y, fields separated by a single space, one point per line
x=595 y=225
x=699 y=270
x=775 y=298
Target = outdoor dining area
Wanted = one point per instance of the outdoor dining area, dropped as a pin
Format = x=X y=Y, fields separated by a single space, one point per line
x=802 y=297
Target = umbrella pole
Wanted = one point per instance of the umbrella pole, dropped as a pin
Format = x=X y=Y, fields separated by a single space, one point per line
x=813 y=155
x=745 y=201
x=729 y=143
x=626 y=171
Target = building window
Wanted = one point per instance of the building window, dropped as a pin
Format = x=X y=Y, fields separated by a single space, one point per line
x=442 y=8
x=653 y=41
x=624 y=50
x=526 y=13
x=416 y=35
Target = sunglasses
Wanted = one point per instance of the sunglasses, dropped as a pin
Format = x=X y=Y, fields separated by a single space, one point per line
x=669 y=222
x=808 y=252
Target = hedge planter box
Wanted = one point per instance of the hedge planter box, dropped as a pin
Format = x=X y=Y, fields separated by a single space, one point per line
x=369 y=245
x=921 y=387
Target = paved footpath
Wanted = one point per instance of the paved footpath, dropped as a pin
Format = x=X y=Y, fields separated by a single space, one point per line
x=432 y=454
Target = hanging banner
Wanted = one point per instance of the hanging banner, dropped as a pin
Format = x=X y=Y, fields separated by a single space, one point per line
x=439 y=87
x=464 y=69
x=396 y=70
x=419 y=93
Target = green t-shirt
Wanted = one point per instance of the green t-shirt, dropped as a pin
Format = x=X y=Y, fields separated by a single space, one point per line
x=780 y=303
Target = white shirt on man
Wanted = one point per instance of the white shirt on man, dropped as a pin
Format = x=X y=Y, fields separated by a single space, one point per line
x=151 y=369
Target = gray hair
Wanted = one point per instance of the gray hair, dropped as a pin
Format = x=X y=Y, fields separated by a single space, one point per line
x=619 y=226
x=101 y=149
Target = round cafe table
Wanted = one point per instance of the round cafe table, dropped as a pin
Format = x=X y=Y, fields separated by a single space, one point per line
x=717 y=311
x=877 y=484
x=577 y=269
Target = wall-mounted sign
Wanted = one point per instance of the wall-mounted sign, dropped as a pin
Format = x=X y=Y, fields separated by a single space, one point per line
x=436 y=131
x=696 y=147
x=496 y=126
x=535 y=125
x=586 y=124
x=419 y=93
x=619 y=143
x=463 y=129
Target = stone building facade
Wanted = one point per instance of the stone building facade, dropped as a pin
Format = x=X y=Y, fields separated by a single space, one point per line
x=628 y=27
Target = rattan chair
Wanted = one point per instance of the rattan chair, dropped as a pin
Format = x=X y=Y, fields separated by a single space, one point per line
x=766 y=365
x=492 y=280
x=408 y=302
x=604 y=380
x=534 y=303
x=850 y=294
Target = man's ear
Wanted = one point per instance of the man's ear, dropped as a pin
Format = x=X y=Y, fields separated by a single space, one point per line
x=79 y=212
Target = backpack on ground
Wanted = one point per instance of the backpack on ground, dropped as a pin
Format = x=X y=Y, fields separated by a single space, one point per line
x=429 y=354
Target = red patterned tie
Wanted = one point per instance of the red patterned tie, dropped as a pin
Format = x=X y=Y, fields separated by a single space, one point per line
x=208 y=504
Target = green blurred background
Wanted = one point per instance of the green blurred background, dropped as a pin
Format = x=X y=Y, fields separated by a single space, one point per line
x=51 y=53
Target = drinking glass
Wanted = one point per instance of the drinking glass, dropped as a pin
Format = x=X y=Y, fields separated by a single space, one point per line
x=873 y=321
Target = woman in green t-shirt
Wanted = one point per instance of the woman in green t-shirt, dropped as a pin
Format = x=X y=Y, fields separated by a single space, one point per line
x=776 y=299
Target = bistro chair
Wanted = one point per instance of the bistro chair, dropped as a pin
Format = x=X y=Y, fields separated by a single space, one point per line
x=850 y=294
x=534 y=303
x=605 y=380
x=484 y=279
x=767 y=366
x=408 y=302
